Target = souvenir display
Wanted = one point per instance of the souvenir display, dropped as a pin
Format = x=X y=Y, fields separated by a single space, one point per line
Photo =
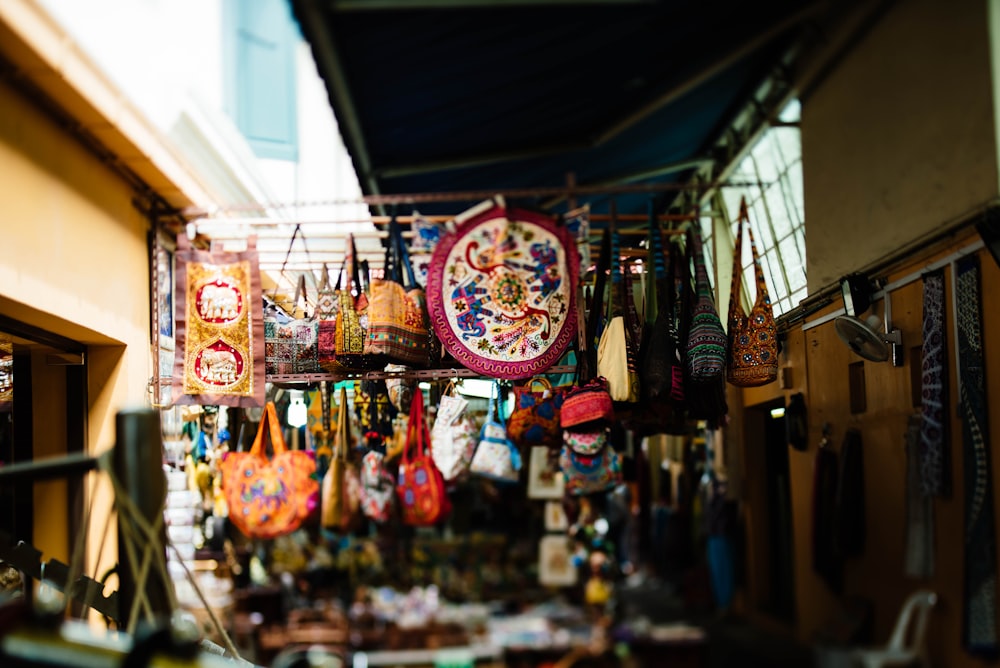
x=502 y=292
x=753 y=338
x=269 y=497
x=219 y=353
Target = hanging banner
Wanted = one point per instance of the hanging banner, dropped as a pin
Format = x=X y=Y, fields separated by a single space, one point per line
x=501 y=291
x=219 y=356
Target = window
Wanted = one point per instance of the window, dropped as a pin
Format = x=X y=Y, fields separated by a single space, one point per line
x=260 y=40
x=776 y=208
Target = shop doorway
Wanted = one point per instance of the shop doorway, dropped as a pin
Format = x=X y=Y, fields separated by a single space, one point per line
x=772 y=546
x=43 y=414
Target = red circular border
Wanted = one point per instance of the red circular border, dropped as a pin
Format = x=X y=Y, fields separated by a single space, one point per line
x=436 y=299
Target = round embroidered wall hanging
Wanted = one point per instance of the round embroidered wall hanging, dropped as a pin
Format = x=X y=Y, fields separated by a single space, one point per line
x=501 y=291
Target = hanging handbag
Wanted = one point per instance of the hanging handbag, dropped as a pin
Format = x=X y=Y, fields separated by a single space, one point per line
x=502 y=291
x=453 y=436
x=218 y=357
x=535 y=418
x=706 y=343
x=586 y=474
x=397 y=311
x=753 y=338
x=423 y=499
x=327 y=308
x=587 y=403
x=378 y=487
x=616 y=349
x=661 y=371
x=291 y=344
x=335 y=502
x=269 y=497
x=496 y=457
x=351 y=328
x=586 y=443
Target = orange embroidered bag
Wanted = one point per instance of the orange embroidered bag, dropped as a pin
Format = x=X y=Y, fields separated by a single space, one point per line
x=753 y=339
x=269 y=497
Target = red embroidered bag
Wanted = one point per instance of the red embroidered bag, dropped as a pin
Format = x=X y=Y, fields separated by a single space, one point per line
x=587 y=403
x=423 y=499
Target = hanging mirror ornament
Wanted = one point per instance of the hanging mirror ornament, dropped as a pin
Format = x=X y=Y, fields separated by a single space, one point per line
x=501 y=291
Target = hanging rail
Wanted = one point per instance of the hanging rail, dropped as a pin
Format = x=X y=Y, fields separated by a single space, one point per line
x=472 y=195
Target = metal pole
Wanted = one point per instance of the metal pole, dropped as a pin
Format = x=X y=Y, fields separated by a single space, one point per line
x=138 y=464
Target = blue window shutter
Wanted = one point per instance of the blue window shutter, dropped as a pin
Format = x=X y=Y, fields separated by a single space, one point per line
x=261 y=93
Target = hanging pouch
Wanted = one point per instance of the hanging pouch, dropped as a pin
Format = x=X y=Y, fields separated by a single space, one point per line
x=454 y=435
x=616 y=349
x=496 y=457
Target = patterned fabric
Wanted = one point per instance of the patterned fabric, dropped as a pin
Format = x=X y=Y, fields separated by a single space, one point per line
x=753 y=338
x=586 y=443
x=535 y=418
x=587 y=403
x=935 y=458
x=502 y=292
x=586 y=475
x=269 y=498
x=290 y=347
x=979 y=619
x=918 y=561
x=377 y=488
x=705 y=349
x=218 y=359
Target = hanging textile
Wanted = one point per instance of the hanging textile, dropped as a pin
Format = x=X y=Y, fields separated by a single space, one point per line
x=851 y=497
x=979 y=622
x=502 y=292
x=826 y=558
x=935 y=457
x=219 y=355
x=918 y=554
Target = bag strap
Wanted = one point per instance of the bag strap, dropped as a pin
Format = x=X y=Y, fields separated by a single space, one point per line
x=268 y=423
x=407 y=278
x=702 y=286
x=324 y=279
x=735 y=295
x=324 y=397
x=416 y=427
x=758 y=270
x=541 y=380
x=342 y=439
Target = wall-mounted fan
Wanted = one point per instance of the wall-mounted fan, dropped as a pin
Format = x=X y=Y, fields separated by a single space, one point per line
x=865 y=339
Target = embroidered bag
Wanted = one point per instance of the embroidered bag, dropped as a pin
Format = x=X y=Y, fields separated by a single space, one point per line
x=587 y=403
x=351 y=329
x=327 y=306
x=588 y=474
x=334 y=504
x=496 y=457
x=706 y=342
x=587 y=443
x=453 y=436
x=420 y=488
x=291 y=344
x=753 y=339
x=502 y=291
x=219 y=353
x=269 y=497
x=535 y=418
x=378 y=487
x=397 y=310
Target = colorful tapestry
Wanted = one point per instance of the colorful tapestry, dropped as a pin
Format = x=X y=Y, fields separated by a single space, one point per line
x=219 y=356
x=502 y=292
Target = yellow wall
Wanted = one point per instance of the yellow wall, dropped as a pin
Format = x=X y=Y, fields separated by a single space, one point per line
x=899 y=139
x=73 y=260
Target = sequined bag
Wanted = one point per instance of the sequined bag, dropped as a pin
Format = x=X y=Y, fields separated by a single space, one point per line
x=753 y=338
